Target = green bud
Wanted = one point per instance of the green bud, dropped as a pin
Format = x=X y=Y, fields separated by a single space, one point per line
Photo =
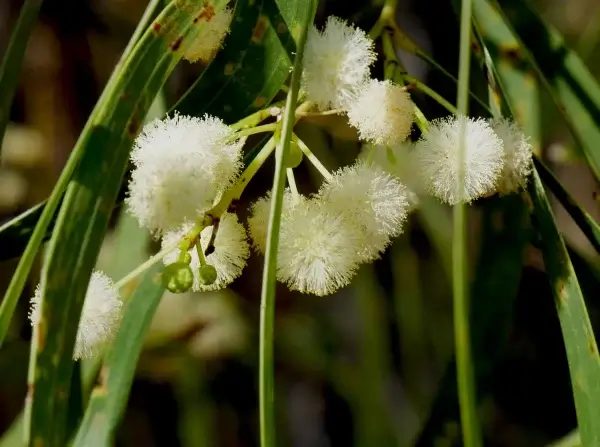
x=207 y=274
x=294 y=156
x=177 y=277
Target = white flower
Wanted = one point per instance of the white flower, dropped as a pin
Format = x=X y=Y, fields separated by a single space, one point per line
x=437 y=159
x=318 y=249
x=258 y=221
x=228 y=258
x=100 y=315
x=181 y=165
x=518 y=154
x=209 y=34
x=383 y=113
x=336 y=64
x=396 y=160
x=373 y=200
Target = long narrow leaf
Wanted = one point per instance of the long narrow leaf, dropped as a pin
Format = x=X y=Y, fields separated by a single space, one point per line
x=570 y=84
x=267 y=308
x=33 y=229
x=578 y=335
x=83 y=218
x=584 y=221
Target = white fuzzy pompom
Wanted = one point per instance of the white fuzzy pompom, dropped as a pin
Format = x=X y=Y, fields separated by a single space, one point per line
x=373 y=200
x=518 y=154
x=383 y=113
x=182 y=164
x=100 y=315
x=229 y=257
x=210 y=31
x=318 y=249
x=437 y=159
x=336 y=64
x=396 y=160
x=258 y=221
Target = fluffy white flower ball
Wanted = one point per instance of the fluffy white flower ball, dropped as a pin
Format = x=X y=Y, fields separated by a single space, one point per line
x=336 y=64
x=100 y=315
x=318 y=249
x=182 y=164
x=228 y=258
x=374 y=201
x=210 y=30
x=383 y=113
x=437 y=159
x=518 y=154
x=258 y=222
x=396 y=160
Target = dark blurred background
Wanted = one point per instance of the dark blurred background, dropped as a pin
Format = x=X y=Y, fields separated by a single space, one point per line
x=359 y=368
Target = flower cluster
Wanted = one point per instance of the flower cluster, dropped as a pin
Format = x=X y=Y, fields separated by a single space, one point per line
x=186 y=168
x=324 y=238
x=497 y=156
x=337 y=76
x=496 y=159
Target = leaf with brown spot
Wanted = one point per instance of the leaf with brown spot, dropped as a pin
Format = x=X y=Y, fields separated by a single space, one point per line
x=260 y=48
x=99 y=161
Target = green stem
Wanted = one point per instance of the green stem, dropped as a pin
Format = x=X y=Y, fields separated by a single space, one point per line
x=393 y=70
x=292 y=183
x=254 y=130
x=266 y=373
x=236 y=190
x=460 y=279
x=146 y=265
x=258 y=117
x=13 y=59
x=312 y=157
x=387 y=19
x=431 y=93
x=324 y=113
x=431 y=61
x=201 y=256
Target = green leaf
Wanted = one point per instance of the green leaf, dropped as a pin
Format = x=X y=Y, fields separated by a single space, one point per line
x=578 y=335
x=254 y=63
x=13 y=58
x=109 y=397
x=283 y=137
x=513 y=87
x=31 y=240
x=103 y=150
x=573 y=88
x=584 y=221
